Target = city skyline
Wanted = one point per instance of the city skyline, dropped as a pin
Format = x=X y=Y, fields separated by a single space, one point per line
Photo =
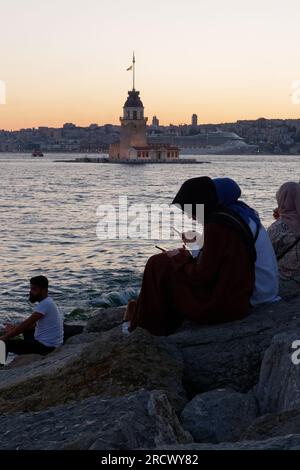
x=66 y=61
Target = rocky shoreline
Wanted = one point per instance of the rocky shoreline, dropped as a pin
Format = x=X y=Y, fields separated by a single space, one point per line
x=230 y=386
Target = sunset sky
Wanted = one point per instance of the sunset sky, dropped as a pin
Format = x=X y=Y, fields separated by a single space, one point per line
x=65 y=60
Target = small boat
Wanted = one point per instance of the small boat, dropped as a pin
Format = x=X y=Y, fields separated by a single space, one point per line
x=37 y=153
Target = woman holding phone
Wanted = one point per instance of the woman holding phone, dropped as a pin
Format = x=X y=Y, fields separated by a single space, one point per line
x=212 y=288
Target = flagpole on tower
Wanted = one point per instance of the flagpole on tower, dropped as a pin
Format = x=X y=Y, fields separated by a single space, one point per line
x=132 y=68
x=133 y=64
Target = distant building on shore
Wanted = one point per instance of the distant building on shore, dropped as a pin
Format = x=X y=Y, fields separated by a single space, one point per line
x=155 y=121
x=207 y=142
x=133 y=144
x=194 y=120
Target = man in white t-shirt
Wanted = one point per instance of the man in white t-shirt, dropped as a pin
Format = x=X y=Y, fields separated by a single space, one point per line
x=46 y=320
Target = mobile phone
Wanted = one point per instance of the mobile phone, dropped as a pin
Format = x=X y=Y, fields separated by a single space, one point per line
x=159 y=248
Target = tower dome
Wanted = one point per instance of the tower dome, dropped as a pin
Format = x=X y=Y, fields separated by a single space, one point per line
x=133 y=100
x=133 y=108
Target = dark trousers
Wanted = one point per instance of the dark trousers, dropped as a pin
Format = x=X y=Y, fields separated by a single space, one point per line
x=28 y=345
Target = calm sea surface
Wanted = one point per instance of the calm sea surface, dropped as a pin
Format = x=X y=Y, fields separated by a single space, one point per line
x=48 y=222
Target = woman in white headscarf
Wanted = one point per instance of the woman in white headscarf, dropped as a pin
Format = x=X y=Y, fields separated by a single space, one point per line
x=285 y=237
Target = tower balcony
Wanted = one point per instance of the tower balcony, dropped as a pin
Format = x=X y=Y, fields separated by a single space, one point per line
x=124 y=119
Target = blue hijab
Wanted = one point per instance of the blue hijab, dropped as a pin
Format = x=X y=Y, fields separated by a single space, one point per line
x=229 y=193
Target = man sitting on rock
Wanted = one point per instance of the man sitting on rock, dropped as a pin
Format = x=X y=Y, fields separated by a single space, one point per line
x=43 y=331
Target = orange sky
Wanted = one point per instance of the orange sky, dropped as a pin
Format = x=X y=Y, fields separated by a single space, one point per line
x=65 y=60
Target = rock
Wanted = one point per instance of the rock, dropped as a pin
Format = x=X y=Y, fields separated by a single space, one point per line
x=289 y=442
x=278 y=388
x=219 y=415
x=276 y=425
x=113 y=365
x=221 y=356
x=103 y=365
x=83 y=338
x=105 y=319
x=21 y=361
x=71 y=330
x=140 y=419
x=230 y=355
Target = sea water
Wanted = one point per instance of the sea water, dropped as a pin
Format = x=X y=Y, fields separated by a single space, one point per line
x=48 y=220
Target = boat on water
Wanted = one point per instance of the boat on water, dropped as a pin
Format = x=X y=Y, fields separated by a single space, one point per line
x=37 y=153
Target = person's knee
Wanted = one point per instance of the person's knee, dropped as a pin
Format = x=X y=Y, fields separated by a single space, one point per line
x=155 y=257
x=159 y=264
x=158 y=259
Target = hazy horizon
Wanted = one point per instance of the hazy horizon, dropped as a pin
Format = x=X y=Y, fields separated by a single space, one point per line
x=66 y=60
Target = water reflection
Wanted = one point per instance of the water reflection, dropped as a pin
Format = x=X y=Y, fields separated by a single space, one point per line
x=48 y=221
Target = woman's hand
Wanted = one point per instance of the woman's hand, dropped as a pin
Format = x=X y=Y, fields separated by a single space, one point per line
x=177 y=251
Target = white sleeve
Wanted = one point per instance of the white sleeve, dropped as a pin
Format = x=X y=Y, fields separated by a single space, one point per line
x=42 y=308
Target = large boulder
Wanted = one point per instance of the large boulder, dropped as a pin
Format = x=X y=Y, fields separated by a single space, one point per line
x=278 y=388
x=105 y=319
x=219 y=415
x=230 y=355
x=113 y=364
x=140 y=419
x=21 y=361
x=220 y=356
x=104 y=364
x=288 y=442
x=83 y=338
x=276 y=425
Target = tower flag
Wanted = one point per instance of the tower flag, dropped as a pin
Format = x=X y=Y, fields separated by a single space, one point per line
x=132 y=67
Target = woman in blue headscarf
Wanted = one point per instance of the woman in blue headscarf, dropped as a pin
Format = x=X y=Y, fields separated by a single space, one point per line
x=229 y=193
x=266 y=268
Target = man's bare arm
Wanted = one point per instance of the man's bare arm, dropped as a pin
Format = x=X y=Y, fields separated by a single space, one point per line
x=22 y=327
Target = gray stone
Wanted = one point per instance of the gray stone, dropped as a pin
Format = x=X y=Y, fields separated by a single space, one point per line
x=268 y=426
x=105 y=319
x=83 y=338
x=21 y=361
x=219 y=415
x=140 y=419
x=289 y=442
x=113 y=365
x=107 y=365
x=230 y=355
x=217 y=356
x=278 y=388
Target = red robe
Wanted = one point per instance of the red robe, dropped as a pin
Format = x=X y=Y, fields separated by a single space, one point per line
x=215 y=289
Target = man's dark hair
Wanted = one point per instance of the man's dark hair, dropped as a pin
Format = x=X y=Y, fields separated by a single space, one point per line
x=40 y=281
